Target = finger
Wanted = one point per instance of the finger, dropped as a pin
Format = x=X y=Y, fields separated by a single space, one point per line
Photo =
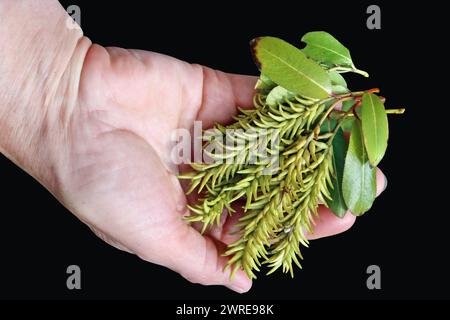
x=199 y=259
x=328 y=224
x=214 y=231
x=226 y=232
x=222 y=94
x=230 y=232
x=381 y=182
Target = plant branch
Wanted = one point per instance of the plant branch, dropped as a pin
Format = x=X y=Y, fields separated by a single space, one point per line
x=388 y=111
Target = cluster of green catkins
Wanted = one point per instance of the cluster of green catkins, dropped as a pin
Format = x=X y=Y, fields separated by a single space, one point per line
x=279 y=189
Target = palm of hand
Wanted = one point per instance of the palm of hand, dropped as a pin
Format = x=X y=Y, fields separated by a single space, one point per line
x=117 y=176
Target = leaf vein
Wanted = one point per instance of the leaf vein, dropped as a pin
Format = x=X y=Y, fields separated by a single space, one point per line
x=335 y=52
x=375 y=131
x=296 y=70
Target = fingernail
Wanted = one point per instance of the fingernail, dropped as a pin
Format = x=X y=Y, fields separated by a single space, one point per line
x=385 y=182
x=236 y=288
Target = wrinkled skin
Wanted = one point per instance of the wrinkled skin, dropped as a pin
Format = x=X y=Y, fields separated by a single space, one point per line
x=102 y=147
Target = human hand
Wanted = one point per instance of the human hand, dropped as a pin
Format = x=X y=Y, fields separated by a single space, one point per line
x=121 y=181
x=109 y=143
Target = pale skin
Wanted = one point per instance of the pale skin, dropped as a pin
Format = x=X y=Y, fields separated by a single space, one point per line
x=92 y=125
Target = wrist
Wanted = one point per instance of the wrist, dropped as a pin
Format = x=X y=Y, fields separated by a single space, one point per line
x=40 y=66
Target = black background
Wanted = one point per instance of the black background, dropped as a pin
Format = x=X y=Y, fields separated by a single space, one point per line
x=405 y=233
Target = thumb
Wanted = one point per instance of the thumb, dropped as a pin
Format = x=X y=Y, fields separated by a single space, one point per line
x=198 y=259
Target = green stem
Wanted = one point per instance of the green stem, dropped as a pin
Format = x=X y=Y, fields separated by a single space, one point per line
x=325 y=115
x=331 y=108
x=388 y=111
x=361 y=72
x=353 y=69
x=357 y=93
x=395 y=111
x=349 y=113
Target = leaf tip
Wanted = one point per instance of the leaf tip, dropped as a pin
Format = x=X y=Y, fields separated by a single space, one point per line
x=307 y=35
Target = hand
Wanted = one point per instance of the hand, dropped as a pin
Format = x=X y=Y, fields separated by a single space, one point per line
x=121 y=181
x=100 y=141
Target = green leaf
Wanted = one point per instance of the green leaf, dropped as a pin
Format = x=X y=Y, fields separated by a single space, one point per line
x=337 y=205
x=359 y=181
x=374 y=127
x=290 y=68
x=339 y=89
x=347 y=125
x=264 y=84
x=278 y=95
x=324 y=48
x=337 y=79
x=347 y=104
x=328 y=125
x=338 y=83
